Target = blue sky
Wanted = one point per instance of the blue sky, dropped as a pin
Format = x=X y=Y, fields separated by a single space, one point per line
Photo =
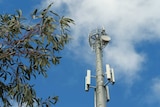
x=133 y=51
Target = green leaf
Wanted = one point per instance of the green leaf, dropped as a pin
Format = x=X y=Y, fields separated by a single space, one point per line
x=27 y=76
x=19 y=13
x=38 y=42
x=54 y=13
x=55 y=99
x=54 y=60
x=49 y=6
x=44 y=74
x=1 y=74
x=34 y=13
x=58 y=57
x=47 y=45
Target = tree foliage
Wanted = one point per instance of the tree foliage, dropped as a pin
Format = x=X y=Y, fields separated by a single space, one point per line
x=27 y=49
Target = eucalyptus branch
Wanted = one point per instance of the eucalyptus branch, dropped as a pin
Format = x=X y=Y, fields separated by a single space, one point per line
x=23 y=55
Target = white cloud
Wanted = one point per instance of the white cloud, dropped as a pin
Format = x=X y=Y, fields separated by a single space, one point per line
x=125 y=60
x=128 y=22
x=153 y=95
x=156 y=88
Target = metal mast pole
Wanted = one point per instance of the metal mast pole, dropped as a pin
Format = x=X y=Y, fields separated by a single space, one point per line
x=98 y=39
x=100 y=90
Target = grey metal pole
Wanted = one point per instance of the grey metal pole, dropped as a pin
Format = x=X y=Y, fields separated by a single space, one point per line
x=95 y=98
x=98 y=39
x=100 y=91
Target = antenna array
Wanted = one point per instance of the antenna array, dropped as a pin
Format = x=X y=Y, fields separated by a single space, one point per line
x=98 y=39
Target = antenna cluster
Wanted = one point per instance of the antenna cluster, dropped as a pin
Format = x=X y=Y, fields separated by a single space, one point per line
x=98 y=39
x=110 y=78
x=110 y=74
x=98 y=35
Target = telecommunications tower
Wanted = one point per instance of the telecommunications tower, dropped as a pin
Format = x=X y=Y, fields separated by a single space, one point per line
x=98 y=39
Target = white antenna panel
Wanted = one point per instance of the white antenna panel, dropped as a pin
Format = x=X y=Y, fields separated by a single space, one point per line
x=113 y=77
x=88 y=73
x=108 y=72
x=107 y=93
x=88 y=77
x=86 y=85
x=88 y=80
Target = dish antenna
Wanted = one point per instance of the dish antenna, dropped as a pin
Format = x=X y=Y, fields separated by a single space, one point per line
x=105 y=38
